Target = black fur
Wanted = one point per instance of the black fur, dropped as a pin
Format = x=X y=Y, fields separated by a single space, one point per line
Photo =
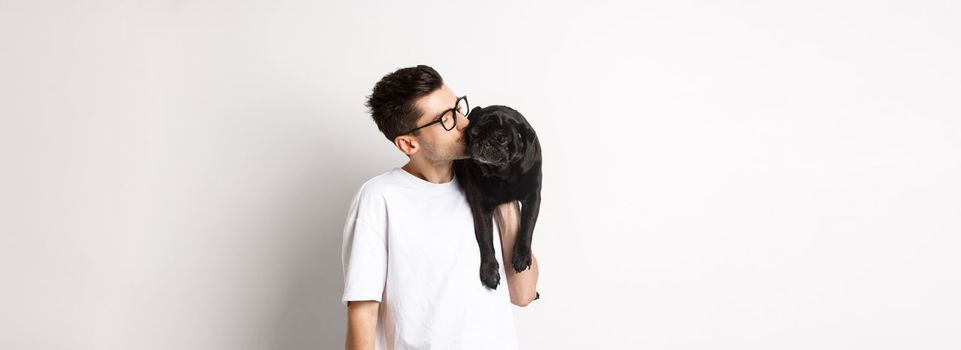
x=505 y=166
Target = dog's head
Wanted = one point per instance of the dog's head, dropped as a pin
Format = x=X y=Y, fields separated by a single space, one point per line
x=500 y=136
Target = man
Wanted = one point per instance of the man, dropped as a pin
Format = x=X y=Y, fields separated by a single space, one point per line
x=411 y=262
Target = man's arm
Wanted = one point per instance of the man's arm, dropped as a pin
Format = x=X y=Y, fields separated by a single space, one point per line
x=361 y=324
x=523 y=285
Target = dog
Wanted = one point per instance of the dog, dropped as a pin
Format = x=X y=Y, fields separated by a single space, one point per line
x=504 y=166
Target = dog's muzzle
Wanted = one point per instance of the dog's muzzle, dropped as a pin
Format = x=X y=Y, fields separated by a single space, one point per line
x=487 y=154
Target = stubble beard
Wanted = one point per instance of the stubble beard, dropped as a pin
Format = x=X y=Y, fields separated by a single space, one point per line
x=456 y=151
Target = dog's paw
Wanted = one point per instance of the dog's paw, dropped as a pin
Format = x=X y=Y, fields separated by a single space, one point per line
x=489 y=274
x=521 y=259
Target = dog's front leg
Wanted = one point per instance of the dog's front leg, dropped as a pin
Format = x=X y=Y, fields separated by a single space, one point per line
x=484 y=231
x=522 y=246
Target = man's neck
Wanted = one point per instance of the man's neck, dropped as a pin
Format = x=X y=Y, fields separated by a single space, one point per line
x=438 y=173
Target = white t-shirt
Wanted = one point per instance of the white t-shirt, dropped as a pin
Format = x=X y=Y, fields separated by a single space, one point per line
x=410 y=244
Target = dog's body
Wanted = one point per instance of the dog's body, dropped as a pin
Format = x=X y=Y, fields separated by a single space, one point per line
x=505 y=166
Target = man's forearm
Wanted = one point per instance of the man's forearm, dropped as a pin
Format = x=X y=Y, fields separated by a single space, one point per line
x=522 y=285
x=359 y=338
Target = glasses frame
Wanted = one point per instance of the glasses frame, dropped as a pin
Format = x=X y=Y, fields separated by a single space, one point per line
x=441 y=117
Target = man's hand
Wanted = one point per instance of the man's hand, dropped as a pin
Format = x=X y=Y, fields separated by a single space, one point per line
x=361 y=324
x=522 y=285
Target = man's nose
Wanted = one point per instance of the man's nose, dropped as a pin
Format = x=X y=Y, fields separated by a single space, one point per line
x=462 y=124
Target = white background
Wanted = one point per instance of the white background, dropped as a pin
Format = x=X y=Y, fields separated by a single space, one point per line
x=717 y=175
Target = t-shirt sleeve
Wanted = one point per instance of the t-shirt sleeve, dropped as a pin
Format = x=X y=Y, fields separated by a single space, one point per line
x=364 y=251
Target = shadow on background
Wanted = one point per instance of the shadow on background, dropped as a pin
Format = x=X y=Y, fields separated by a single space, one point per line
x=312 y=316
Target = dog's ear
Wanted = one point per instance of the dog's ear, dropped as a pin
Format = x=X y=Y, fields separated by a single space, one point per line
x=528 y=133
x=474 y=112
x=532 y=147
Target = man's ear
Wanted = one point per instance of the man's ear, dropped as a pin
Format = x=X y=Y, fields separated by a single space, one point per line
x=406 y=144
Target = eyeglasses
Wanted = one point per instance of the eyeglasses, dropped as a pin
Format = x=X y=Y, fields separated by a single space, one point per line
x=449 y=118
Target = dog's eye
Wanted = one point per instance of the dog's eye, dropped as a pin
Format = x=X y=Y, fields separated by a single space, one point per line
x=501 y=139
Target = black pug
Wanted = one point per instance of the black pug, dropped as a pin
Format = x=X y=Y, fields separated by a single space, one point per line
x=505 y=165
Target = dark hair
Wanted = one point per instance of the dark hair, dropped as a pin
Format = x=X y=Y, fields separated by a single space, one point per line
x=391 y=103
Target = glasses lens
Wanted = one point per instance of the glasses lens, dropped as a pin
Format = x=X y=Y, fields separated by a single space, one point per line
x=448 y=120
x=463 y=107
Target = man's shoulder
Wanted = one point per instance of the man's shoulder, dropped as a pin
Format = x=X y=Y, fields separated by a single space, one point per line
x=378 y=184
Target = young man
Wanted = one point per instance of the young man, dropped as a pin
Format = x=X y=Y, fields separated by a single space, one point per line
x=411 y=261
